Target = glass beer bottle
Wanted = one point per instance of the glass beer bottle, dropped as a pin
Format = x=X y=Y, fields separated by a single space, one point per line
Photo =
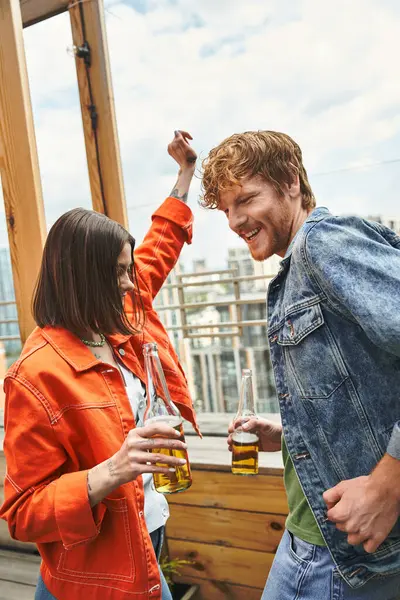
x=163 y=410
x=244 y=443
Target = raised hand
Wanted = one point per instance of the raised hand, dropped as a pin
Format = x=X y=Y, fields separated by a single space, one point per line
x=181 y=151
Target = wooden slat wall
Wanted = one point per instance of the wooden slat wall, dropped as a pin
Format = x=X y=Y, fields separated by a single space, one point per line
x=229 y=527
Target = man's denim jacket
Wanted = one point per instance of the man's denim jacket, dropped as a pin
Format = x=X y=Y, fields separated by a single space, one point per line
x=334 y=333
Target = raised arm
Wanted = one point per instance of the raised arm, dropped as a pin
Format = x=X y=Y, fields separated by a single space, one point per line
x=171 y=223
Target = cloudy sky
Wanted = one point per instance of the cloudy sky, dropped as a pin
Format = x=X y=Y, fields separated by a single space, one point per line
x=324 y=72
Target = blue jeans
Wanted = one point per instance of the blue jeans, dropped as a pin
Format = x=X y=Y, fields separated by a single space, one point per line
x=302 y=571
x=157 y=537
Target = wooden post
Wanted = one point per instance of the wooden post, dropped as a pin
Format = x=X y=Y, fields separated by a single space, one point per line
x=98 y=112
x=19 y=167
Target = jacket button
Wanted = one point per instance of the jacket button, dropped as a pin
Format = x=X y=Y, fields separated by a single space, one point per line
x=121 y=351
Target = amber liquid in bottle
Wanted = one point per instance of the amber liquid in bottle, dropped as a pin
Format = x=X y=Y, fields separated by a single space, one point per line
x=163 y=410
x=181 y=478
x=245 y=444
x=244 y=453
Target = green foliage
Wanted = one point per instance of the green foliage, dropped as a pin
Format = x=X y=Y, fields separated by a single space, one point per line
x=171 y=567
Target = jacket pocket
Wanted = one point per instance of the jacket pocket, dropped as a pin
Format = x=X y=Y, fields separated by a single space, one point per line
x=109 y=555
x=311 y=354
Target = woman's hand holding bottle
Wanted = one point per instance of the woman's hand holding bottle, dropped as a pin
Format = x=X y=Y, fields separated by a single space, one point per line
x=134 y=459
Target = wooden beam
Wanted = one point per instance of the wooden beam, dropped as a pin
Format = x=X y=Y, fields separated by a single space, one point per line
x=19 y=168
x=98 y=112
x=34 y=11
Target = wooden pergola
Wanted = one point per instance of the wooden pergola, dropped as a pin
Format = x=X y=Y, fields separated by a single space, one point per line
x=19 y=167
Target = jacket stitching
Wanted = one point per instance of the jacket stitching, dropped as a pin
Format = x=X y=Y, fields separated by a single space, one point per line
x=14 y=368
x=82 y=542
x=144 y=594
x=69 y=359
x=303 y=304
x=60 y=413
x=94 y=575
x=303 y=333
x=116 y=403
x=188 y=224
x=160 y=239
x=14 y=484
x=21 y=379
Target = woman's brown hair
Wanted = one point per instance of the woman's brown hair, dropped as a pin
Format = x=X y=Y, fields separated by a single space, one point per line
x=77 y=287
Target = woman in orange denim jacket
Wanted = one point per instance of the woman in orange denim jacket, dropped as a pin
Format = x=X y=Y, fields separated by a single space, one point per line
x=76 y=458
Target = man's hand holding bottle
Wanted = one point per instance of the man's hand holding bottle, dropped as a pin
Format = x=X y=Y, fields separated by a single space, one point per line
x=269 y=433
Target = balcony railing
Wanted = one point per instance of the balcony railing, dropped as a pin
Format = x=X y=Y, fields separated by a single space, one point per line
x=196 y=279
x=235 y=301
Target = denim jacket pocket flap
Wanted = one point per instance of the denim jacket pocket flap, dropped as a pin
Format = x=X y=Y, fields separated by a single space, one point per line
x=299 y=323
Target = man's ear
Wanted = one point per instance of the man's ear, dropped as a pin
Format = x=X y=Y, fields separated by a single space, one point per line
x=294 y=187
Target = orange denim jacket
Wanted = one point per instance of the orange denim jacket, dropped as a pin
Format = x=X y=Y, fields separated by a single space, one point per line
x=66 y=412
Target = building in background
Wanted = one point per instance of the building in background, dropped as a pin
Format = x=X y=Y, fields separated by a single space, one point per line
x=391 y=222
x=214 y=349
x=8 y=311
x=241 y=260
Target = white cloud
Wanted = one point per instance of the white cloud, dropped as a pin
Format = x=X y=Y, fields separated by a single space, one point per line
x=326 y=73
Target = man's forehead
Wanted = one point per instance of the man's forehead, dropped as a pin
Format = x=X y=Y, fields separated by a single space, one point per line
x=233 y=193
x=229 y=195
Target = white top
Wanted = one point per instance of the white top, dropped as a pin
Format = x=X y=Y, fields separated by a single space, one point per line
x=156 y=511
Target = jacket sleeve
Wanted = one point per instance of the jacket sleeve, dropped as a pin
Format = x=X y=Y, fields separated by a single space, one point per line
x=42 y=503
x=158 y=253
x=357 y=267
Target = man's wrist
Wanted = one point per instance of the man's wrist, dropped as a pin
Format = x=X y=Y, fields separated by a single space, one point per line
x=386 y=477
x=394 y=443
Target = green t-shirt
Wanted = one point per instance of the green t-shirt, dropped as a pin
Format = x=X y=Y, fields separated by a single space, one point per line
x=301 y=521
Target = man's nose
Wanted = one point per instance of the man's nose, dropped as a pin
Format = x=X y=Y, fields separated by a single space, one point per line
x=236 y=221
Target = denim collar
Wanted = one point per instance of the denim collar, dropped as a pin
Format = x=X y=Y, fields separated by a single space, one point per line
x=316 y=215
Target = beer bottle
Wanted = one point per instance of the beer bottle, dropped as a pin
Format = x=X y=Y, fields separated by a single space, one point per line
x=161 y=409
x=245 y=444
